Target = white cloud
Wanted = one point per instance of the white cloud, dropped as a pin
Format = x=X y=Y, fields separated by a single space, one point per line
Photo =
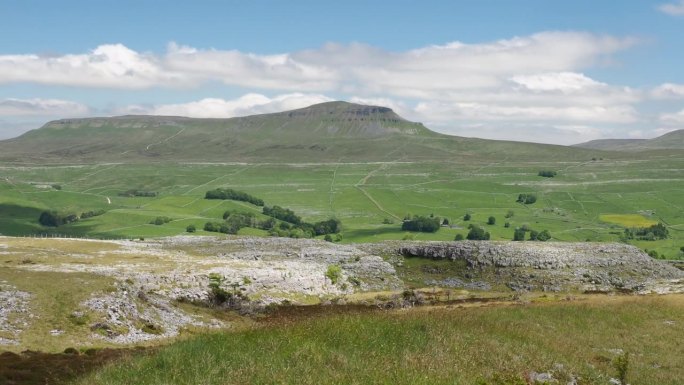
x=558 y=81
x=442 y=112
x=108 y=66
x=42 y=107
x=673 y=9
x=668 y=91
x=333 y=67
x=249 y=104
x=676 y=118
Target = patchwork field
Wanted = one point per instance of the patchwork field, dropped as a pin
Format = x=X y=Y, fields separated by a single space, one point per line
x=592 y=200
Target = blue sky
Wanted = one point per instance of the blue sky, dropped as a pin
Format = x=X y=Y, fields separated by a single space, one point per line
x=551 y=71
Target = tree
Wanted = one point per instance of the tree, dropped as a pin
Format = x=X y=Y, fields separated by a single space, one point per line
x=191 y=229
x=509 y=214
x=445 y=222
x=507 y=224
x=331 y=226
x=533 y=235
x=459 y=237
x=547 y=173
x=328 y=238
x=544 y=236
x=519 y=234
x=527 y=199
x=491 y=221
x=466 y=217
x=477 y=233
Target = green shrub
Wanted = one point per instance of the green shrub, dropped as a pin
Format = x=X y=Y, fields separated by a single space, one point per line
x=491 y=221
x=334 y=273
x=477 y=233
x=191 y=229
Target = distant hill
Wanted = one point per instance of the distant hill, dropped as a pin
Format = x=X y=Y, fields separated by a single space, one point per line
x=671 y=141
x=334 y=131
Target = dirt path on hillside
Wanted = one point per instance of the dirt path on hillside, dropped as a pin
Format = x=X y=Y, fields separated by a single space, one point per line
x=359 y=185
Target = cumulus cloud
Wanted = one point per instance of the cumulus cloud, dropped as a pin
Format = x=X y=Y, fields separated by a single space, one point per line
x=558 y=81
x=668 y=91
x=673 y=9
x=42 y=107
x=108 y=66
x=248 y=104
x=334 y=67
x=675 y=118
x=445 y=112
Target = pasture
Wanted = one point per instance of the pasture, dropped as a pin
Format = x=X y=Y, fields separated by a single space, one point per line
x=589 y=200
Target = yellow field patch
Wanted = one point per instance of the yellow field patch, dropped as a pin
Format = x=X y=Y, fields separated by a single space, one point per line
x=627 y=220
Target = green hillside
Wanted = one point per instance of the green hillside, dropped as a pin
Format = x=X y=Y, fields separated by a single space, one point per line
x=671 y=141
x=335 y=131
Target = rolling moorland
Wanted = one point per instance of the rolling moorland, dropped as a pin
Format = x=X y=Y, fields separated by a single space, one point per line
x=138 y=182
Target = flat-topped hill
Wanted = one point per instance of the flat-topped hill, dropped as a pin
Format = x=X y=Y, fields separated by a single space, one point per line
x=326 y=132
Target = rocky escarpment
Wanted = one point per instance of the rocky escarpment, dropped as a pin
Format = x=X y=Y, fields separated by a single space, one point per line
x=133 y=291
x=553 y=266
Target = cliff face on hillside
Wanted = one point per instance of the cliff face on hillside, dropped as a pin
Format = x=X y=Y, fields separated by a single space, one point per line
x=132 y=291
x=552 y=266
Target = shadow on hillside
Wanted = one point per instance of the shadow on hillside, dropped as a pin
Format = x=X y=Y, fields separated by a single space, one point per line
x=17 y=220
x=37 y=368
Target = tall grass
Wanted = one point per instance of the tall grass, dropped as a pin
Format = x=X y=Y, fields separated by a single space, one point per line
x=432 y=346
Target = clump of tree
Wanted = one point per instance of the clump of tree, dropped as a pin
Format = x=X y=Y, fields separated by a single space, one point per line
x=55 y=219
x=233 y=221
x=160 y=221
x=230 y=194
x=547 y=173
x=138 y=193
x=651 y=233
x=477 y=233
x=91 y=213
x=542 y=236
x=283 y=214
x=526 y=198
x=331 y=226
x=421 y=224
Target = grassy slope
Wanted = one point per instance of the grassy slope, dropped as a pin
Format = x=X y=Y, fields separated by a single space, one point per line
x=432 y=346
x=671 y=140
x=361 y=195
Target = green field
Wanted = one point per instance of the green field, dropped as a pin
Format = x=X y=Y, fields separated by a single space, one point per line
x=432 y=345
x=572 y=206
